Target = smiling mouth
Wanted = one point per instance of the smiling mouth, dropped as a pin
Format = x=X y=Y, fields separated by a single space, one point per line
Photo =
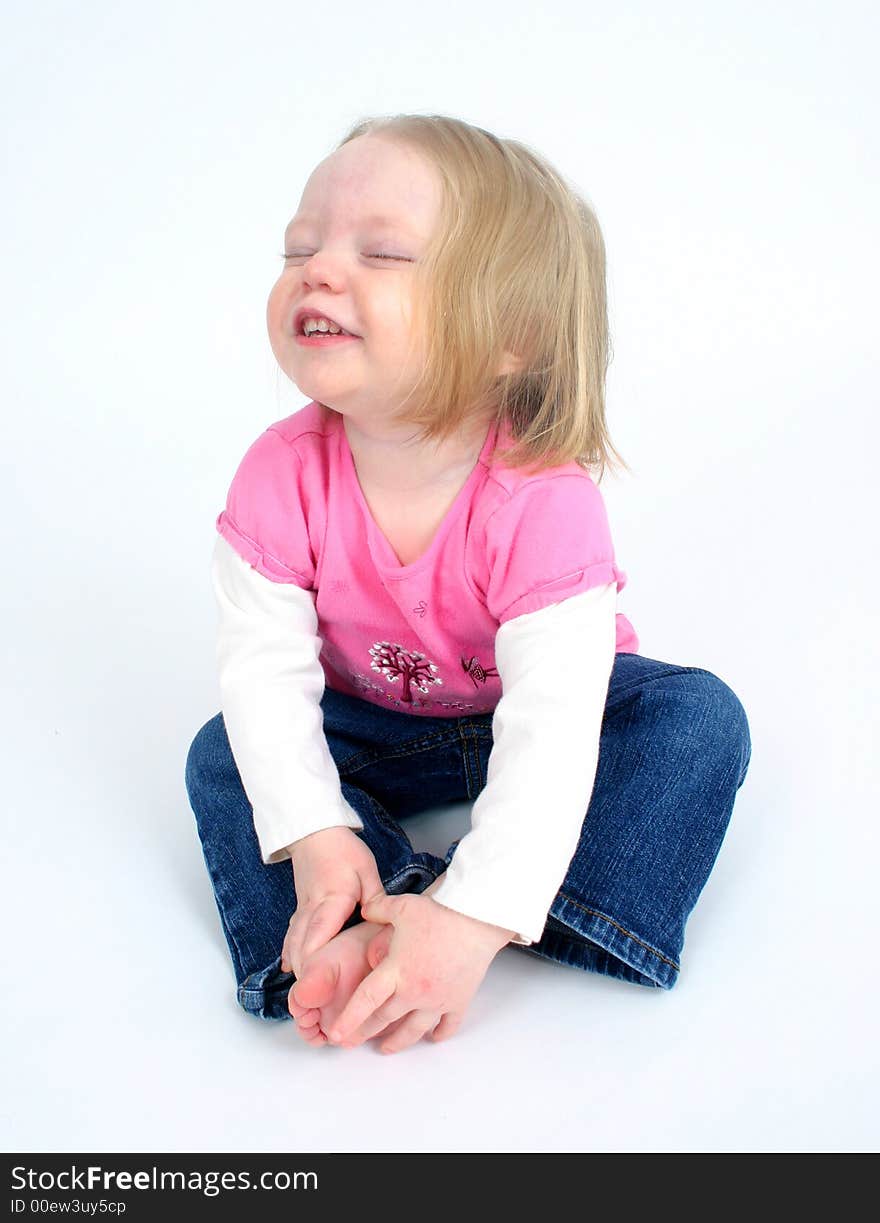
x=302 y=317
x=324 y=339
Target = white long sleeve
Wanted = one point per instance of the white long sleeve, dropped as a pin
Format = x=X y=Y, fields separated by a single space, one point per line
x=271 y=685
x=555 y=666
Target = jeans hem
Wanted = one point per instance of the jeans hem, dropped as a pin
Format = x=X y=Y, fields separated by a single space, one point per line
x=596 y=942
x=264 y=993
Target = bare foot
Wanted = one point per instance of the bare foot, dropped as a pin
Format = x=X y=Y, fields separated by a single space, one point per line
x=331 y=975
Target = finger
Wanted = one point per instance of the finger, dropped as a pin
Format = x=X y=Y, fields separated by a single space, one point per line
x=448 y=1026
x=291 y=950
x=392 y=1027
x=287 y=948
x=391 y=1013
x=374 y=991
x=325 y=923
x=382 y=908
x=371 y=884
x=411 y=1031
x=377 y=948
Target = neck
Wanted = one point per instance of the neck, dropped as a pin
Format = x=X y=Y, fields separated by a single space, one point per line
x=391 y=461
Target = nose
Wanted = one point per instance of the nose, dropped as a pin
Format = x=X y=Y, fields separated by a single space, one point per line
x=323 y=269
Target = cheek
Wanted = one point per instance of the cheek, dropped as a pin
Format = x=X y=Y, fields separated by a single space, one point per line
x=276 y=308
x=401 y=311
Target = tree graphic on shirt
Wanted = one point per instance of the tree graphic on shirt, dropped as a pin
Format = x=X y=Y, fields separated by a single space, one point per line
x=410 y=666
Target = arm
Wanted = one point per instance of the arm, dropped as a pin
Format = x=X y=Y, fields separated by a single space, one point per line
x=555 y=665
x=271 y=685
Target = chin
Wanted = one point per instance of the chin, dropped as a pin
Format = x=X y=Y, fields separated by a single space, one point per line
x=311 y=388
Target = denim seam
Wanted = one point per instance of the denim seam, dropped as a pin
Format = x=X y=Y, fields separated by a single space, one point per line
x=227 y=929
x=362 y=760
x=231 y=933
x=621 y=695
x=622 y=929
x=382 y=817
x=467 y=745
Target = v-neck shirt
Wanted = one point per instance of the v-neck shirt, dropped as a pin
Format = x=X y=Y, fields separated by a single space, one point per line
x=417 y=637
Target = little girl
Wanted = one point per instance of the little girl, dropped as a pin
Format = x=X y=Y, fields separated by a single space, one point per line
x=417 y=591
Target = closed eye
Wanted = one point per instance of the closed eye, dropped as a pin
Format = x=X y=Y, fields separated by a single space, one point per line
x=400 y=258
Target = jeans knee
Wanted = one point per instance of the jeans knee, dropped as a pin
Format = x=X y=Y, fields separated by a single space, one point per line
x=202 y=757
x=727 y=722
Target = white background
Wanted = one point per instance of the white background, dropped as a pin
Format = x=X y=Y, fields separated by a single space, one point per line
x=154 y=155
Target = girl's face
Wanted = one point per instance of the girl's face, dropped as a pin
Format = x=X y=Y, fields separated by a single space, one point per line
x=365 y=216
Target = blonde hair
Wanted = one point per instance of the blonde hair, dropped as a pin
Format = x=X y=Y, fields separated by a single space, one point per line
x=517 y=265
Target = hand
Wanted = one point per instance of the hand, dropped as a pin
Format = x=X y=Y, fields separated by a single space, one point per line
x=434 y=964
x=333 y=871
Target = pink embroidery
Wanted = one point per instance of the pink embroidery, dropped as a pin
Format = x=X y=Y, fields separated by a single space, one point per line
x=411 y=666
x=365 y=685
x=476 y=671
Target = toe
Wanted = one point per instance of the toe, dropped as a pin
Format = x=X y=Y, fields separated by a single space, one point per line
x=316 y=986
x=297 y=1010
x=311 y=1034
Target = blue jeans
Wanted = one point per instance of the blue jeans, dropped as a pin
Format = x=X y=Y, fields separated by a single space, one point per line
x=674 y=750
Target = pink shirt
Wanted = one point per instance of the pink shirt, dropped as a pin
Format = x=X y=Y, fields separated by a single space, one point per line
x=421 y=637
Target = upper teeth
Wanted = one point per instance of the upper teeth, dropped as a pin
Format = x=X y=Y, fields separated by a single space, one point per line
x=319 y=324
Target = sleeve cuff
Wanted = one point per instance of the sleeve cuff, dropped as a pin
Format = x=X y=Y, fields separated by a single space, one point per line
x=453 y=896
x=261 y=560
x=275 y=842
x=575 y=583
